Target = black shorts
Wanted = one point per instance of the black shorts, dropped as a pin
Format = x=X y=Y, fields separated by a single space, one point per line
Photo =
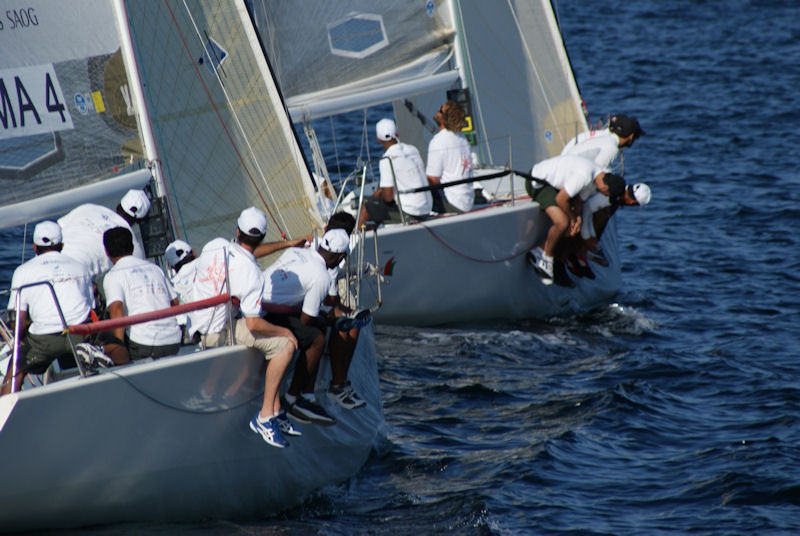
x=37 y=352
x=305 y=334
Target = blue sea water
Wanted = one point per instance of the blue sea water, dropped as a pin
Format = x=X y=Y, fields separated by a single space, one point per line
x=676 y=409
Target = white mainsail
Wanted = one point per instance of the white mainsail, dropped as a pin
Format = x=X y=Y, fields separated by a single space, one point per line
x=217 y=118
x=69 y=129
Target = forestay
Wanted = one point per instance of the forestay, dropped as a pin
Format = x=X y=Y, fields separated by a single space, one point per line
x=68 y=129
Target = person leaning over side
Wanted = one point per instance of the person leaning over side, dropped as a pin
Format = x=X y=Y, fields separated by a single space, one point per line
x=83 y=229
x=401 y=165
x=565 y=182
x=295 y=287
x=343 y=339
x=276 y=343
x=41 y=329
x=598 y=209
x=604 y=146
x=449 y=159
x=134 y=286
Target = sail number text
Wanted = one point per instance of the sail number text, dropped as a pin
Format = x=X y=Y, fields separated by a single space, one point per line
x=19 y=18
x=31 y=102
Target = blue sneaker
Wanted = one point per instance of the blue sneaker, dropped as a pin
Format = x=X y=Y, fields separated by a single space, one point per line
x=286 y=425
x=270 y=431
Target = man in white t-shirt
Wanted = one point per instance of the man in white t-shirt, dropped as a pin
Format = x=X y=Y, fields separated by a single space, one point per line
x=83 y=229
x=276 y=343
x=41 y=327
x=134 y=286
x=597 y=210
x=295 y=287
x=180 y=257
x=401 y=167
x=449 y=159
x=604 y=146
x=564 y=183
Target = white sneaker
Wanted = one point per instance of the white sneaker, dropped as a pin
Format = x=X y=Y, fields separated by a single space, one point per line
x=544 y=267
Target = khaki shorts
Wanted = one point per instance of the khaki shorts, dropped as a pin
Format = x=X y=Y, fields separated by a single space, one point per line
x=269 y=346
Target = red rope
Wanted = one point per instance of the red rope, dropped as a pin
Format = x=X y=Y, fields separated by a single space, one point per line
x=468 y=257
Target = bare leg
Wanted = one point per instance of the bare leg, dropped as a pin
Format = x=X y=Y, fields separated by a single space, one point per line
x=276 y=367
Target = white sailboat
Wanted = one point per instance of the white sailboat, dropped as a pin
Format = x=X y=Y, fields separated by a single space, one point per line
x=506 y=62
x=102 y=96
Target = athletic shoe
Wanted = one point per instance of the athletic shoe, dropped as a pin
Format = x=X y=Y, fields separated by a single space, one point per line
x=598 y=257
x=92 y=356
x=304 y=410
x=357 y=319
x=346 y=396
x=270 y=431
x=286 y=425
x=560 y=276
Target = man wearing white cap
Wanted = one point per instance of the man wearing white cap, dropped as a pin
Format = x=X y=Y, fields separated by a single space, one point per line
x=83 y=229
x=598 y=209
x=40 y=323
x=604 y=146
x=276 y=343
x=180 y=258
x=449 y=158
x=135 y=286
x=401 y=168
x=295 y=287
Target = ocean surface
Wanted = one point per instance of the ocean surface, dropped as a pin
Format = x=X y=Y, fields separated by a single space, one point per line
x=674 y=410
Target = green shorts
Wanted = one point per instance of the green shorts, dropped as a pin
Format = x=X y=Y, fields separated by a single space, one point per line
x=545 y=196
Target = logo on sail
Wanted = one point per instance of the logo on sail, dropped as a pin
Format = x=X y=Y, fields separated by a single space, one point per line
x=214 y=55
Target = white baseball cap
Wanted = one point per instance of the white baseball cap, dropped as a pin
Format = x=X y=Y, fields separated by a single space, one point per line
x=176 y=252
x=47 y=233
x=641 y=192
x=336 y=241
x=135 y=203
x=386 y=130
x=252 y=222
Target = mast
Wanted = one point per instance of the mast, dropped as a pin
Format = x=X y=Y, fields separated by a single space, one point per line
x=148 y=140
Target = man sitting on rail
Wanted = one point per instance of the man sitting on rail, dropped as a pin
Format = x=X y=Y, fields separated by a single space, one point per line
x=41 y=328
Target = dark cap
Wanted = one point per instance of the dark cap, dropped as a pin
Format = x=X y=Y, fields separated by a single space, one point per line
x=624 y=126
x=616 y=185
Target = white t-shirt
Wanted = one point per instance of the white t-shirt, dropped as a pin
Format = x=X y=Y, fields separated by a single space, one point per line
x=595 y=202
x=142 y=287
x=575 y=174
x=247 y=284
x=409 y=172
x=71 y=282
x=299 y=276
x=83 y=228
x=602 y=146
x=449 y=159
x=182 y=282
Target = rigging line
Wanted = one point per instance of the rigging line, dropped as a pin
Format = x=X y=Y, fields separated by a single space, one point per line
x=214 y=107
x=474 y=259
x=210 y=411
x=529 y=56
x=336 y=151
x=238 y=122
